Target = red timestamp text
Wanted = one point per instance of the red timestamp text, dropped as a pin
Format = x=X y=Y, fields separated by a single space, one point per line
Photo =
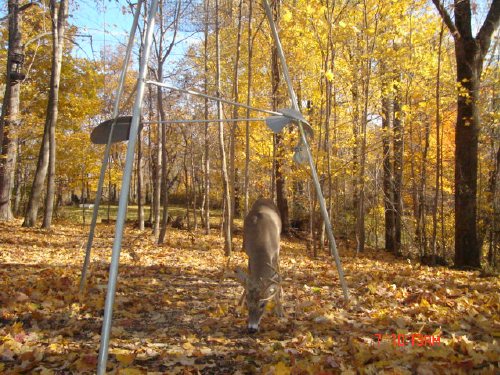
x=410 y=339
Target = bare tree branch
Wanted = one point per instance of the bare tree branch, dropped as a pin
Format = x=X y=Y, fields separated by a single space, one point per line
x=446 y=18
x=490 y=24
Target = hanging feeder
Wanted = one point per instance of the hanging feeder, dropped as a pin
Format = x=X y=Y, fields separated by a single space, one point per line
x=121 y=131
x=17 y=62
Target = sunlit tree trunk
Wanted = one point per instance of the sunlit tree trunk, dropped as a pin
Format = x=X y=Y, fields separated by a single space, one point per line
x=388 y=188
x=206 y=165
x=249 y=94
x=438 y=150
x=398 y=169
x=355 y=156
x=46 y=157
x=194 y=195
x=59 y=17
x=281 y=195
x=155 y=149
x=140 y=179
x=164 y=174
x=162 y=52
x=232 y=141
x=186 y=179
x=225 y=177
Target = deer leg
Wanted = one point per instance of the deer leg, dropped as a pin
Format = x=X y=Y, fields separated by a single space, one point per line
x=278 y=307
x=242 y=298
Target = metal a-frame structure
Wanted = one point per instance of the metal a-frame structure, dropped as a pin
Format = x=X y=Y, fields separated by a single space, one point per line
x=277 y=121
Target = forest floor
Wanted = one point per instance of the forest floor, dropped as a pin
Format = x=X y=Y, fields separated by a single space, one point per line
x=174 y=315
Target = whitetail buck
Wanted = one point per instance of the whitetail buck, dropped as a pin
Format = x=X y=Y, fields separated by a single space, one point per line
x=261 y=241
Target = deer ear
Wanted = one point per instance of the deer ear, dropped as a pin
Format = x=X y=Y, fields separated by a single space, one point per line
x=241 y=276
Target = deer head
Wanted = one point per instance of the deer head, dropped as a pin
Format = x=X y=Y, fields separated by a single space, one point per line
x=258 y=294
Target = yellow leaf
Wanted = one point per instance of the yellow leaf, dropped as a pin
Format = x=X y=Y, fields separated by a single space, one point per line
x=372 y=288
x=125 y=358
x=342 y=24
x=188 y=346
x=424 y=303
x=130 y=371
x=17 y=327
x=329 y=75
x=287 y=16
x=281 y=369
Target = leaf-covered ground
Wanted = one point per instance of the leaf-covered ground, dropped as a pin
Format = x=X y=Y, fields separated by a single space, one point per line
x=174 y=315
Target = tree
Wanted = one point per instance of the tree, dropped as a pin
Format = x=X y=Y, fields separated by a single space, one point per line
x=281 y=196
x=388 y=186
x=249 y=98
x=59 y=16
x=225 y=177
x=46 y=157
x=233 y=171
x=206 y=164
x=162 y=54
x=10 y=113
x=470 y=52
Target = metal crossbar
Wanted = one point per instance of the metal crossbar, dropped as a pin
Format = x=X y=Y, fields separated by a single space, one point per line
x=195 y=121
x=216 y=98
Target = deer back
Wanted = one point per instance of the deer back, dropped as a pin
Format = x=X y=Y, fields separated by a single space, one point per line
x=261 y=238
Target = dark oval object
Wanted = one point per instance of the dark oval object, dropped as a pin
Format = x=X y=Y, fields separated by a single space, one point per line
x=121 y=132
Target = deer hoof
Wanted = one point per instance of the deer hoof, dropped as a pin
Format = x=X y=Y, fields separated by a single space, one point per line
x=252 y=329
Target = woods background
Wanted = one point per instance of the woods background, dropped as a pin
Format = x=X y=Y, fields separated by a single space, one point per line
x=379 y=80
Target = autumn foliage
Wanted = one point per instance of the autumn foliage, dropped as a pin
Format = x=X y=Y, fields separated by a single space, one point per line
x=175 y=313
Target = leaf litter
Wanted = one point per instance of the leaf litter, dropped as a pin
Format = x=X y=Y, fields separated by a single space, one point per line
x=175 y=313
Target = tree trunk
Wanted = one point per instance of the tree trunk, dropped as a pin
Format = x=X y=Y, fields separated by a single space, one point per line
x=140 y=178
x=157 y=182
x=164 y=174
x=59 y=17
x=494 y=231
x=206 y=166
x=9 y=120
x=388 y=187
x=467 y=249
x=19 y=183
x=355 y=157
x=249 y=93
x=50 y=123
x=438 y=150
x=469 y=53
x=232 y=139
x=225 y=177
x=281 y=196
x=398 y=170
x=194 y=196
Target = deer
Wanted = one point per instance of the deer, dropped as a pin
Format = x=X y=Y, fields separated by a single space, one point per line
x=261 y=242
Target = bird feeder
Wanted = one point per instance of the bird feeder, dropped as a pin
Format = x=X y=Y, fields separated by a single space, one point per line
x=17 y=62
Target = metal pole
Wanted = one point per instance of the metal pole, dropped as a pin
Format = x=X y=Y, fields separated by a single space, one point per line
x=125 y=187
x=319 y=193
x=104 y=165
x=324 y=213
x=195 y=93
x=202 y=121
